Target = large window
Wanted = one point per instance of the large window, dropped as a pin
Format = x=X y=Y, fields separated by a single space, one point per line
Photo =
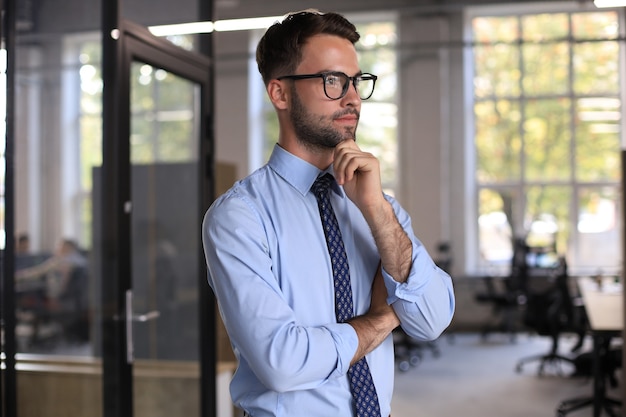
x=547 y=117
x=86 y=54
x=378 y=125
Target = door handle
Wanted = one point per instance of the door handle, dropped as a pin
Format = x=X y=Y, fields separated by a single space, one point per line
x=130 y=318
x=150 y=315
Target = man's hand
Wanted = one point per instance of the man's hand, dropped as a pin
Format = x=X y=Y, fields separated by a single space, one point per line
x=359 y=173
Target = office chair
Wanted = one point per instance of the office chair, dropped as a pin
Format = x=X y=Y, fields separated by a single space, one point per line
x=507 y=297
x=72 y=308
x=610 y=361
x=505 y=306
x=552 y=311
x=46 y=321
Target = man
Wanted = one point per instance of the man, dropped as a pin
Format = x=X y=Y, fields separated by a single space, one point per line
x=271 y=267
x=22 y=244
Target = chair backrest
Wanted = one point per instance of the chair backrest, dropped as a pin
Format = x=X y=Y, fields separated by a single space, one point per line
x=75 y=293
x=518 y=279
x=549 y=308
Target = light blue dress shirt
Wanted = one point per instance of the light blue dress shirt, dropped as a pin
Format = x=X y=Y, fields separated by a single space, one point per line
x=270 y=270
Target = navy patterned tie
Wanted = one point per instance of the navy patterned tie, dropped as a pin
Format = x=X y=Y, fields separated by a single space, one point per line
x=361 y=382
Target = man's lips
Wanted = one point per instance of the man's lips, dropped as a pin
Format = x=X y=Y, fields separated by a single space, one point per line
x=348 y=118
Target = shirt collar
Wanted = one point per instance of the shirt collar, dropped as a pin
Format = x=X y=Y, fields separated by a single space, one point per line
x=298 y=172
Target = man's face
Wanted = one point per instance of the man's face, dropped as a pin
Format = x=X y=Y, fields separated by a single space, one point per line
x=317 y=120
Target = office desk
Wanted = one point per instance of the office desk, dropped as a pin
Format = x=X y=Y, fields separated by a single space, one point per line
x=604 y=307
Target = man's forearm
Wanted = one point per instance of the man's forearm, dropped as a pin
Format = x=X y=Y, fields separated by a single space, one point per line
x=372 y=329
x=394 y=246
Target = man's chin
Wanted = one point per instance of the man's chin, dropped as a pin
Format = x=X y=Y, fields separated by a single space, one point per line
x=349 y=133
x=350 y=136
x=347 y=138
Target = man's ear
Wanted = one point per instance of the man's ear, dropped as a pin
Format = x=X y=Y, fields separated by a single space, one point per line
x=278 y=94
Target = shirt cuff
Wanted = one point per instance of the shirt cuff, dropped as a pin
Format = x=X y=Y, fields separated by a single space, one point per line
x=346 y=343
x=411 y=290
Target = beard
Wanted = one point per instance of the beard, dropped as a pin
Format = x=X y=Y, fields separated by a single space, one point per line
x=316 y=131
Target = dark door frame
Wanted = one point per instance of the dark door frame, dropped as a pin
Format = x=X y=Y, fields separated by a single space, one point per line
x=8 y=375
x=123 y=43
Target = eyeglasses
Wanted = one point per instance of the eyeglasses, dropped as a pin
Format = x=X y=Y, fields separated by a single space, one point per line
x=336 y=84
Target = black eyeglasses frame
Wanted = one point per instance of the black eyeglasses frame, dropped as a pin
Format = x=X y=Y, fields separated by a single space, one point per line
x=352 y=81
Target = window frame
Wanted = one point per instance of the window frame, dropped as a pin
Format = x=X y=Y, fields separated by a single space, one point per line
x=474 y=264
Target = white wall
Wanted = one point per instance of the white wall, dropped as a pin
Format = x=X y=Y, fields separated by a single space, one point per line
x=231 y=100
x=420 y=127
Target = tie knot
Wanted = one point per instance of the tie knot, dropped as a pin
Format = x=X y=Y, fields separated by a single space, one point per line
x=322 y=184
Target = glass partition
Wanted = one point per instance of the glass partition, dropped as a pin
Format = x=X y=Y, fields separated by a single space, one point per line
x=58 y=223
x=58 y=144
x=57 y=148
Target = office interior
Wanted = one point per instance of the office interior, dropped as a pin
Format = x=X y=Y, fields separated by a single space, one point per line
x=118 y=141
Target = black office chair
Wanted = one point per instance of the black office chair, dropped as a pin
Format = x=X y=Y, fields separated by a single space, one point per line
x=506 y=294
x=610 y=361
x=50 y=321
x=504 y=300
x=72 y=310
x=552 y=311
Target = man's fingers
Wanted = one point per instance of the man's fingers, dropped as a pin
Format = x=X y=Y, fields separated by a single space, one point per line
x=350 y=160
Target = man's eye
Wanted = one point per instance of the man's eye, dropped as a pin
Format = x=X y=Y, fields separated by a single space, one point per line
x=333 y=81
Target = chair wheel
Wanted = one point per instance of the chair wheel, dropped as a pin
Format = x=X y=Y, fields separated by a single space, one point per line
x=415 y=360
x=404 y=366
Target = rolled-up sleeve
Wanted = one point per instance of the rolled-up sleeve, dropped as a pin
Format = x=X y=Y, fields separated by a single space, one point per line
x=425 y=302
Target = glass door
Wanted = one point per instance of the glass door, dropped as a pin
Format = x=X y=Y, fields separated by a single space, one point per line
x=163 y=299
x=159 y=347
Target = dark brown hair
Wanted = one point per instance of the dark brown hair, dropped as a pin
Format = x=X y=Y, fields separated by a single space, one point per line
x=280 y=49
